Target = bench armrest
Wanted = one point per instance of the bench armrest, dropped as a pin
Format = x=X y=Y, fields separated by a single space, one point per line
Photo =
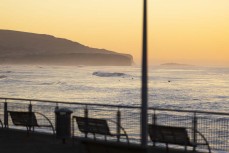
x=51 y=125
x=124 y=134
x=204 y=138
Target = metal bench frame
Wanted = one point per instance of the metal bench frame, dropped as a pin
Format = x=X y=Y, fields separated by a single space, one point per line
x=1 y=123
x=97 y=126
x=28 y=120
x=174 y=135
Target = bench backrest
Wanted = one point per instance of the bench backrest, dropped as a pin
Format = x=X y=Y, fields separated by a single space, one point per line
x=23 y=118
x=93 y=125
x=167 y=134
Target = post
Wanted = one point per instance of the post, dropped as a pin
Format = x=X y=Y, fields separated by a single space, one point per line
x=144 y=106
x=118 y=124
x=154 y=123
x=30 y=116
x=194 y=130
x=86 y=112
x=56 y=108
x=30 y=108
x=154 y=118
x=5 y=114
x=86 y=116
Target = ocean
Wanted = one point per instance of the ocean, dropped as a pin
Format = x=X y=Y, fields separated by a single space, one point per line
x=188 y=88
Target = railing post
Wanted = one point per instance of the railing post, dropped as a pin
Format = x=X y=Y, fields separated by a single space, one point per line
x=194 y=130
x=154 y=122
x=56 y=108
x=5 y=114
x=154 y=118
x=86 y=112
x=86 y=116
x=118 y=124
x=30 y=108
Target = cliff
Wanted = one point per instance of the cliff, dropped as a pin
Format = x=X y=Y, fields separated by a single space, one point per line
x=29 y=48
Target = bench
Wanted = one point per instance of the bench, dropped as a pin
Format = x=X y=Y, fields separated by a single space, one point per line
x=97 y=126
x=28 y=120
x=174 y=135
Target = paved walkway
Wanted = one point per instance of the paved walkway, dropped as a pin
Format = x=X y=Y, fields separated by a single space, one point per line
x=17 y=141
x=14 y=141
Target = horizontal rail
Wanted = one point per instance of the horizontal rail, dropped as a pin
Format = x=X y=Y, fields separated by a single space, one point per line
x=189 y=111
x=117 y=106
x=72 y=103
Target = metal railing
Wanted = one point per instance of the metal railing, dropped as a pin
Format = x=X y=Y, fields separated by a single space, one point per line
x=213 y=125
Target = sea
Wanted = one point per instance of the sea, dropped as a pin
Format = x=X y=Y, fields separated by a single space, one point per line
x=182 y=88
x=188 y=88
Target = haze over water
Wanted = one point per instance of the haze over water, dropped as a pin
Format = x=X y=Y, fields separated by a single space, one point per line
x=193 y=88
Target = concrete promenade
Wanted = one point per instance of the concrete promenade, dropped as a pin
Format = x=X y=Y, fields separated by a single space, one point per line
x=17 y=141
x=14 y=141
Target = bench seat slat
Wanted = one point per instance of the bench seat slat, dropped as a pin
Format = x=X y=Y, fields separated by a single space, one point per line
x=166 y=134
x=98 y=126
x=28 y=120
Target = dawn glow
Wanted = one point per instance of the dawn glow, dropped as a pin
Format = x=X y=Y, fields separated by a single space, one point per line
x=190 y=32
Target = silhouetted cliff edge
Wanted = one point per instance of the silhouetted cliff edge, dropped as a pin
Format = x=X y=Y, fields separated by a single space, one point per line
x=29 y=48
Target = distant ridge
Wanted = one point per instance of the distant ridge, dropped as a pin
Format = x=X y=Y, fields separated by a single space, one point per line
x=175 y=65
x=29 y=48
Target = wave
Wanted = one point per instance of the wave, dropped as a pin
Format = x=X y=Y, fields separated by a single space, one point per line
x=48 y=83
x=222 y=97
x=5 y=71
x=2 y=76
x=108 y=74
x=54 y=83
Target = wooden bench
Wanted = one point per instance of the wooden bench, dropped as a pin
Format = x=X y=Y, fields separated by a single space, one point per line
x=28 y=120
x=97 y=126
x=174 y=135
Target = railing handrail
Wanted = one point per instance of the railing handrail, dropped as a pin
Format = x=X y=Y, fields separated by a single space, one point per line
x=190 y=111
x=76 y=103
x=117 y=106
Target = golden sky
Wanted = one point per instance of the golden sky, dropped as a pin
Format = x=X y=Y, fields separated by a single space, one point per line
x=182 y=31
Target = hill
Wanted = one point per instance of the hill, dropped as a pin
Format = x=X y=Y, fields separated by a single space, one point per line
x=30 y=48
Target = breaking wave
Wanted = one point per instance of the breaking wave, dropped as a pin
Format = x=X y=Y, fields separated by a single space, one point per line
x=108 y=74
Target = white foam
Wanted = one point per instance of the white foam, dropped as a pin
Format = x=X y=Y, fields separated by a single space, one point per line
x=108 y=74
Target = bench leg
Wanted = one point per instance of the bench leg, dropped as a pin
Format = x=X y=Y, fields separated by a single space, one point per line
x=194 y=149
x=167 y=147
x=209 y=149
x=27 y=130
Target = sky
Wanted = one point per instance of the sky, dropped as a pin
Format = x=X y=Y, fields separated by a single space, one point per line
x=182 y=31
